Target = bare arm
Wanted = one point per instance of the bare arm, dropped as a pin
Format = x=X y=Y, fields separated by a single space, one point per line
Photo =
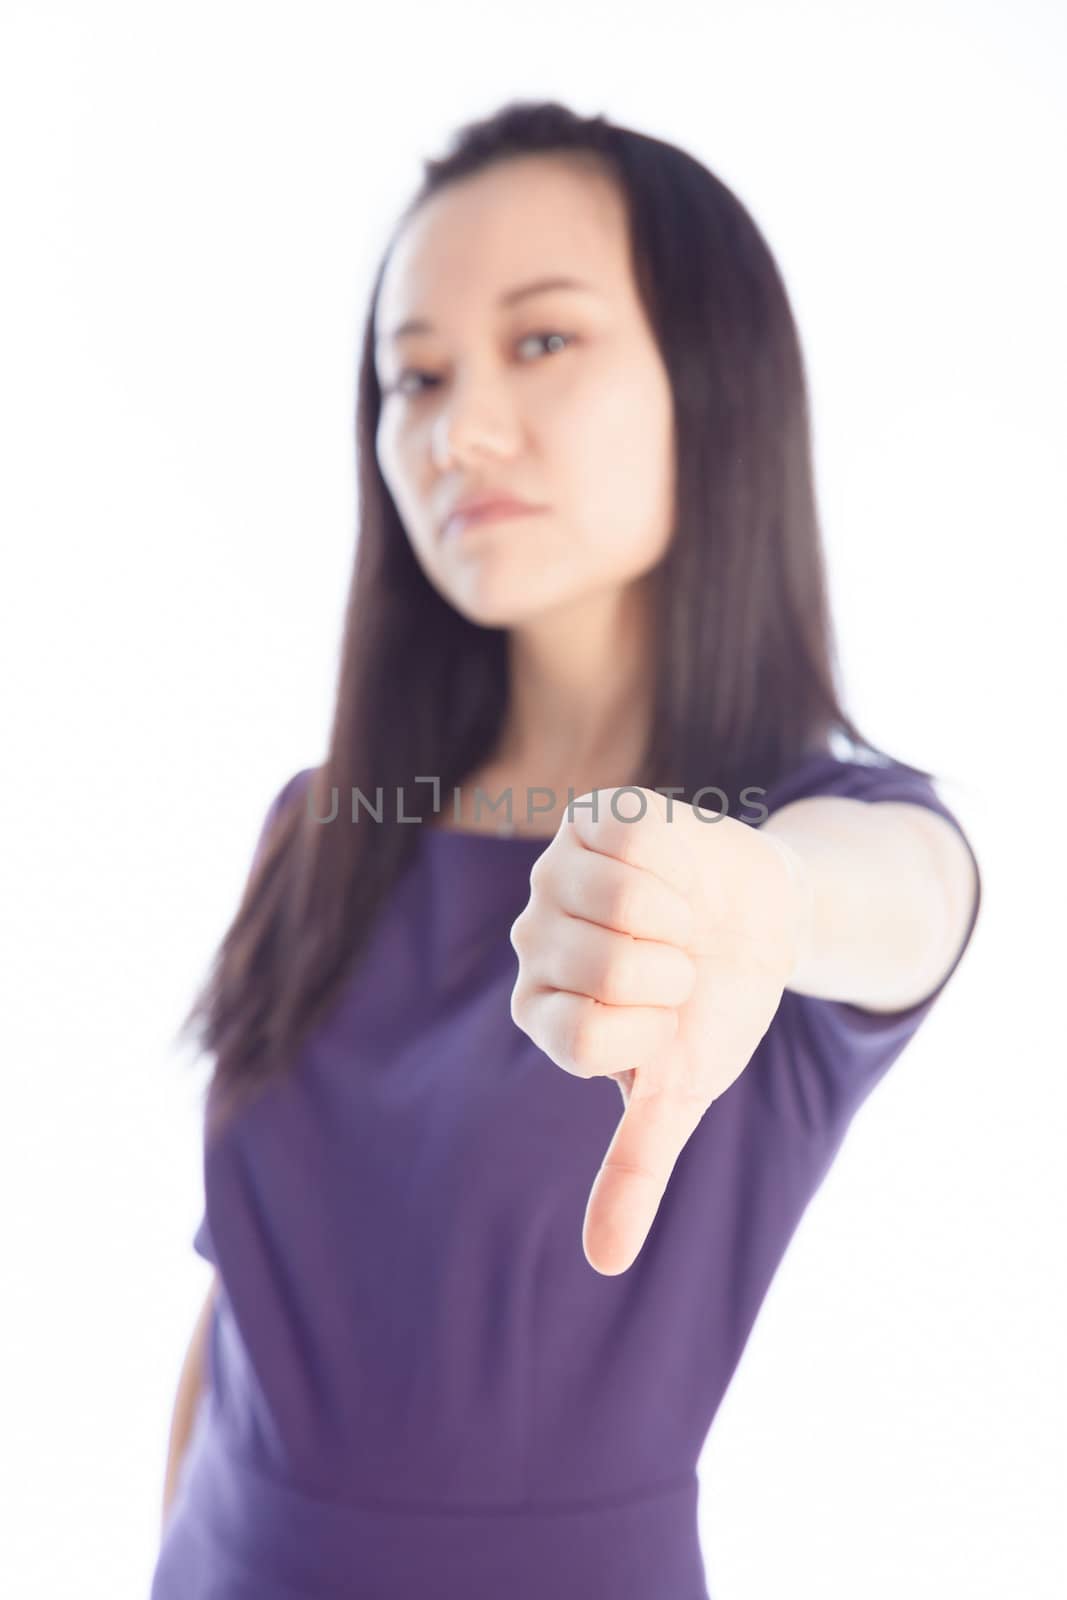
x=190 y=1389
x=890 y=890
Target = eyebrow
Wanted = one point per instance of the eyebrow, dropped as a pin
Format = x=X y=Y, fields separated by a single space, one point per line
x=510 y=297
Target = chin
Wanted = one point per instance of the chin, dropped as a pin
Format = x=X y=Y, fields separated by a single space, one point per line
x=487 y=615
x=499 y=605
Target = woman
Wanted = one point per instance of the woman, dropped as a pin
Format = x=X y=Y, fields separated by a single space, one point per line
x=470 y=1326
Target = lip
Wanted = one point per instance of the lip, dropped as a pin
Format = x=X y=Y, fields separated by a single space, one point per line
x=475 y=511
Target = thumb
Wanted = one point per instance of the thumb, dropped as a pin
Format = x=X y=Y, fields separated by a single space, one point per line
x=629 y=1188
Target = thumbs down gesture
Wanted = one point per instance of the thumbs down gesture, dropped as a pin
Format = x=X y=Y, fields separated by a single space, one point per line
x=653 y=950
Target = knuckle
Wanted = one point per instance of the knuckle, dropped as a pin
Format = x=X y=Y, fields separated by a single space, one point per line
x=582 y=1037
x=636 y=1168
x=539 y=872
x=624 y=906
x=520 y=1006
x=624 y=839
x=617 y=977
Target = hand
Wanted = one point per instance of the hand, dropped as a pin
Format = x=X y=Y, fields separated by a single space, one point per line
x=653 y=952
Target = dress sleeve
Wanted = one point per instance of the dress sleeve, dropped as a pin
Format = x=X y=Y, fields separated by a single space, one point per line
x=838 y=1050
x=202 y=1240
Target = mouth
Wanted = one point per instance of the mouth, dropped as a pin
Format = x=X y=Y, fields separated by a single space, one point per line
x=494 y=511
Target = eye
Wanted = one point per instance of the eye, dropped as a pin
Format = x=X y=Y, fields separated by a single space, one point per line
x=564 y=339
x=561 y=341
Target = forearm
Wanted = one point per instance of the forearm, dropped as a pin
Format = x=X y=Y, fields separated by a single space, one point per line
x=180 y=1430
x=186 y=1404
x=886 y=890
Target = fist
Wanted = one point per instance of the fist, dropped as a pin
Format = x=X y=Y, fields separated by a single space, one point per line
x=653 y=951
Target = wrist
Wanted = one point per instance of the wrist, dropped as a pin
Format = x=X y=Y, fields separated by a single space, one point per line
x=799 y=915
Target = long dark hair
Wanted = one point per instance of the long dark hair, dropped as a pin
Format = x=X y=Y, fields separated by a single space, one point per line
x=745 y=663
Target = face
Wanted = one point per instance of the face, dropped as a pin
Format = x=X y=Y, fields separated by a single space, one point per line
x=557 y=397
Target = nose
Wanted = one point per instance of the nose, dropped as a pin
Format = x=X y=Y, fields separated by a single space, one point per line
x=478 y=421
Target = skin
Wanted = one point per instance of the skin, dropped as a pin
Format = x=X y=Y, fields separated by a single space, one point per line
x=187 y=1401
x=654 y=951
x=663 y=944
x=612 y=951
x=585 y=430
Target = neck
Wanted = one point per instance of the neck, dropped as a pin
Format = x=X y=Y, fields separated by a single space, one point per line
x=580 y=685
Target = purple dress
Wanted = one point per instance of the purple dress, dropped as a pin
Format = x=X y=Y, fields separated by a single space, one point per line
x=418 y=1387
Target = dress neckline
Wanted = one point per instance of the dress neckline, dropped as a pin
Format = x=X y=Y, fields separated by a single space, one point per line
x=481 y=835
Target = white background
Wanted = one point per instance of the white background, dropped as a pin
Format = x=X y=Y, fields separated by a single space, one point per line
x=194 y=198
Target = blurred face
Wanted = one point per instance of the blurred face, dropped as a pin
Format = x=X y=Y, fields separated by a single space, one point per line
x=557 y=397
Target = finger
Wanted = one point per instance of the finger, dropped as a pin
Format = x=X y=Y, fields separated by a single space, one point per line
x=628 y=1189
x=588 y=1039
x=625 y=1082
x=615 y=894
x=584 y=958
x=655 y=844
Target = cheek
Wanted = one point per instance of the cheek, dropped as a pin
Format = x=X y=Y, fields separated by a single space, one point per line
x=396 y=463
x=620 y=469
x=385 y=451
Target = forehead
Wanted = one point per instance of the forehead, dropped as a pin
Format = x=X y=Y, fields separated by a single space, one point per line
x=521 y=220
